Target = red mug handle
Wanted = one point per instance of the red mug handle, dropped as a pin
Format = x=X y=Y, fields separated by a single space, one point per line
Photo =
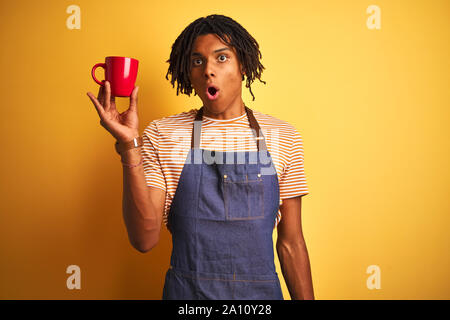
x=103 y=65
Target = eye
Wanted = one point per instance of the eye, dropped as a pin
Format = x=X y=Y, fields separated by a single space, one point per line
x=223 y=60
x=195 y=60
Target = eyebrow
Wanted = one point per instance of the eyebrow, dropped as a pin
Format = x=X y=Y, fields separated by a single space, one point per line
x=196 y=54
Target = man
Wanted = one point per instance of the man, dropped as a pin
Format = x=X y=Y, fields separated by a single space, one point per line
x=221 y=213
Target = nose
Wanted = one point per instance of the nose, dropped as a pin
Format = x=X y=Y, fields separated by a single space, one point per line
x=209 y=70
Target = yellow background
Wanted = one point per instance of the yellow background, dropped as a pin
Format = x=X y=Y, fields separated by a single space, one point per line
x=372 y=107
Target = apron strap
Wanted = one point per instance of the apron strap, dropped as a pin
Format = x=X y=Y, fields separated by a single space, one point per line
x=260 y=140
x=197 y=129
x=256 y=130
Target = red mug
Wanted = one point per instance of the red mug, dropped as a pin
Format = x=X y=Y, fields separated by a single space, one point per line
x=120 y=72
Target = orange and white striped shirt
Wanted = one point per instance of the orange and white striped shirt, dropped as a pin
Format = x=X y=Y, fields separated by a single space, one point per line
x=167 y=142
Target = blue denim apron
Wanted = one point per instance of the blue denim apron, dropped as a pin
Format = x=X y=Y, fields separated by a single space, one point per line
x=221 y=219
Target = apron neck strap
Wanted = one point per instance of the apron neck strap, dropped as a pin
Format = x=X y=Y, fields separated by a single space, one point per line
x=256 y=130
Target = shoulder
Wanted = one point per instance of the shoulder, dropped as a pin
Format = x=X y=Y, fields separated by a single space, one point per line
x=179 y=118
x=273 y=124
x=175 y=121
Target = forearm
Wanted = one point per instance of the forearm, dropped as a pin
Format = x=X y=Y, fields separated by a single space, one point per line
x=294 y=261
x=141 y=220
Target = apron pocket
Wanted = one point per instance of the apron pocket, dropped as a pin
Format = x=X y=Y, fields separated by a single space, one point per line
x=243 y=197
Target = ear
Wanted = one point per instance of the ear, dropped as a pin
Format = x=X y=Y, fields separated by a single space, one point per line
x=242 y=72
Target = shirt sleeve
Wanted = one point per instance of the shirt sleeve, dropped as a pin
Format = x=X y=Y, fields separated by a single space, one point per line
x=154 y=176
x=293 y=179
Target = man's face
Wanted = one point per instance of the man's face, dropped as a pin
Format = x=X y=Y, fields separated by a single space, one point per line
x=214 y=63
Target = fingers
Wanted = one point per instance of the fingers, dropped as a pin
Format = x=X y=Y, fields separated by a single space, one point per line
x=97 y=105
x=134 y=99
x=101 y=94
x=112 y=99
x=107 y=102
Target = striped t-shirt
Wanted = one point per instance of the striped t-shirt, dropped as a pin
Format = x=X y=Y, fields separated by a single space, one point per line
x=167 y=142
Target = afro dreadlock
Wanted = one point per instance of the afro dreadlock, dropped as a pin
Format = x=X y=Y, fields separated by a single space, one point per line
x=231 y=32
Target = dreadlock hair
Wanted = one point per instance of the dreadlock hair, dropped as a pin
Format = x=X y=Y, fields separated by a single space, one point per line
x=231 y=32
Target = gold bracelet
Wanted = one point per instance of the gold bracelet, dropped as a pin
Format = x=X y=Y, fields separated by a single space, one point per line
x=135 y=143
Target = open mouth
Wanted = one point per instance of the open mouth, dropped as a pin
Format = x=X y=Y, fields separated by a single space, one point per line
x=212 y=92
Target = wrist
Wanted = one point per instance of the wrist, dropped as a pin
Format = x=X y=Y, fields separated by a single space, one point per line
x=127 y=138
x=131 y=154
x=132 y=158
